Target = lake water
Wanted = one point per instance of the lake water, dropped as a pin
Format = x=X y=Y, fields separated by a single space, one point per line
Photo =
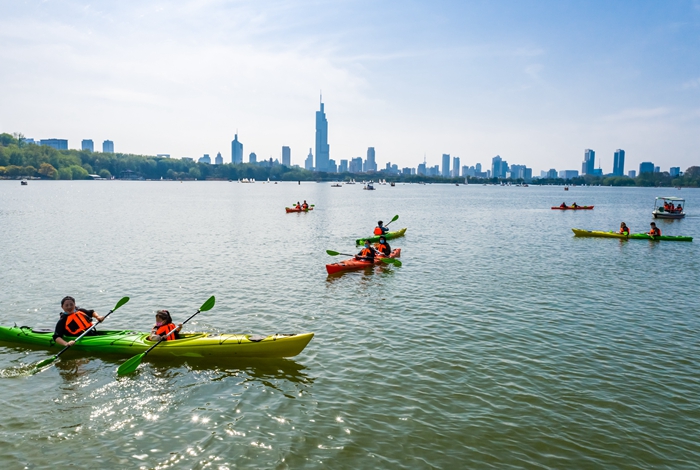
x=502 y=341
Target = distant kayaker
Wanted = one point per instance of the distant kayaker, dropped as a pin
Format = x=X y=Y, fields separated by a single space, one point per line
x=164 y=327
x=367 y=253
x=383 y=247
x=380 y=229
x=624 y=229
x=563 y=205
x=73 y=321
x=298 y=206
x=305 y=205
x=654 y=231
x=574 y=205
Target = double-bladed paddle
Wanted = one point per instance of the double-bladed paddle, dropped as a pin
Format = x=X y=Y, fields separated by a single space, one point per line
x=393 y=261
x=396 y=217
x=130 y=365
x=48 y=361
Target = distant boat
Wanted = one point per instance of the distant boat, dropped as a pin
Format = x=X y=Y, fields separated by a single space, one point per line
x=23 y=182
x=369 y=186
x=392 y=184
x=336 y=185
x=566 y=188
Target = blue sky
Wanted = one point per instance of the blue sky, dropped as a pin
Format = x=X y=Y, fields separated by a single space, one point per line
x=535 y=82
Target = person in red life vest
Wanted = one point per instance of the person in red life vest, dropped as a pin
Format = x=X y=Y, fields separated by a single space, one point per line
x=563 y=205
x=367 y=253
x=654 y=231
x=164 y=328
x=383 y=247
x=380 y=229
x=624 y=229
x=298 y=206
x=73 y=322
x=679 y=208
x=305 y=205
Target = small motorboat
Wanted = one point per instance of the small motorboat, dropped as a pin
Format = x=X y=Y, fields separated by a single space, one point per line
x=23 y=182
x=669 y=208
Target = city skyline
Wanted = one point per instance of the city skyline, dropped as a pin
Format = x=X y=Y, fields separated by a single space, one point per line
x=527 y=81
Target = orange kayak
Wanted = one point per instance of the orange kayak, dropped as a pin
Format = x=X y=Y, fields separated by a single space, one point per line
x=298 y=210
x=577 y=208
x=352 y=263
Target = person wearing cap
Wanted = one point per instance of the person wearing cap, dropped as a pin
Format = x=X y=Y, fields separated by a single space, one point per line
x=164 y=329
x=383 y=246
x=73 y=321
x=380 y=229
x=367 y=253
x=654 y=231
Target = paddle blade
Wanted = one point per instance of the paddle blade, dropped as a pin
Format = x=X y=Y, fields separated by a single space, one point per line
x=208 y=304
x=44 y=363
x=131 y=365
x=120 y=303
x=332 y=253
x=393 y=261
x=396 y=217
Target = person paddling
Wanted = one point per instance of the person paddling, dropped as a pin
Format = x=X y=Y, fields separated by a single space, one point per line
x=380 y=229
x=73 y=321
x=574 y=205
x=164 y=327
x=624 y=229
x=563 y=205
x=367 y=253
x=383 y=247
x=305 y=205
x=654 y=231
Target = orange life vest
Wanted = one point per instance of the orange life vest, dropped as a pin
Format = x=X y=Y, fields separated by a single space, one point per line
x=164 y=330
x=655 y=232
x=304 y=206
x=625 y=230
x=366 y=252
x=383 y=248
x=378 y=230
x=76 y=323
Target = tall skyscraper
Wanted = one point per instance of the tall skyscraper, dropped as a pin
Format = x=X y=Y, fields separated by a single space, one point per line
x=286 y=156
x=219 y=160
x=499 y=167
x=58 y=144
x=356 y=165
x=371 y=162
x=588 y=162
x=236 y=150
x=343 y=167
x=455 y=167
x=674 y=171
x=107 y=146
x=323 y=150
x=309 y=162
x=619 y=163
x=446 y=165
x=252 y=158
x=87 y=144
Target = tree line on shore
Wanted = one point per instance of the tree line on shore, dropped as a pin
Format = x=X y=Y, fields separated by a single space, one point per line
x=19 y=159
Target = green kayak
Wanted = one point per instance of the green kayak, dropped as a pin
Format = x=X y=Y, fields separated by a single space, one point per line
x=388 y=235
x=633 y=236
x=194 y=345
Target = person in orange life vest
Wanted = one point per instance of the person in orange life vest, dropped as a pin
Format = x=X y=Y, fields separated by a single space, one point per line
x=563 y=205
x=679 y=208
x=73 y=322
x=667 y=208
x=305 y=205
x=298 y=206
x=367 y=253
x=654 y=231
x=383 y=247
x=164 y=328
x=380 y=229
x=624 y=229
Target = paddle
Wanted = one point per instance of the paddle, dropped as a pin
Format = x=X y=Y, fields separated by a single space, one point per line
x=396 y=217
x=130 y=365
x=48 y=361
x=393 y=261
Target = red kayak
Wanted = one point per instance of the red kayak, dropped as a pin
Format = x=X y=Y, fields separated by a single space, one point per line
x=577 y=208
x=352 y=263
x=298 y=210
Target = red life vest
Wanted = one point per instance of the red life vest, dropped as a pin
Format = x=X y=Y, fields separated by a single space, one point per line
x=76 y=323
x=304 y=206
x=378 y=230
x=166 y=330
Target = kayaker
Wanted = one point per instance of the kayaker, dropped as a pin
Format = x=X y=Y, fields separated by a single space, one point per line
x=305 y=205
x=298 y=206
x=380 y=229
x=574 y=205
x=367 y=253
x=73 y=321
x=563 y=205
x=164 y=327
x=624 y=229
x=654 y=231
x=383 y=247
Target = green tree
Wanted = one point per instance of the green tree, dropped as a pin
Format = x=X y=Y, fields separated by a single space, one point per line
x=47 y=170
x=104 y=173
x=194 y=172
x=65 y=173
x=79 y=173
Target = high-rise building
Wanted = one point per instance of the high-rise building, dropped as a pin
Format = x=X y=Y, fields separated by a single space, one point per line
x=646 y=167
x=588 y=162
x=87 y=144
x=445 y=165
x=356 y=165
x=107 y=146
x=332 y=167
x=371 y=162
x=58 y=144
x=674 y=171
x=236 y=150
x=343 y=167
x=204 y=159
x=499 y=167
x=252 y=158
x=421 y=169
x=286 y=156
x=632 y=173
x=219 y=160
x=455 y=167
x=309 y=162
x=568 y=174
x=478 y=167
x=619 y=163
x=323 y=150
x=552 y=173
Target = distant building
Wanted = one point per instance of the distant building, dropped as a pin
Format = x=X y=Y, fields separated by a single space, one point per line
x=499 y=167
x=370 y=162
x=646 y=167
x=252 y=158
x=455 y=167
x=87 y=144
x=421 y=169
x=163 y=155
x=219 y=160
x=236 y=150
x=632 y=173
x=205 y=159
x=657 y=169
x=323 y=150
x=588 y=162
x=332 y=167
x=58 y=144
x=309 y=162
x=446 y=165
x=674 y=171
x=343 y=167
x=551 y=174
x=107 y=146
x=568 y=174
x=29 y=140
x=619 y=163
x=187 y=159
x=286 y=156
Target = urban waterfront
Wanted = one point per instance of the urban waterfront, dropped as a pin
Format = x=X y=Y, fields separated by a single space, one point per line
x=502 y=341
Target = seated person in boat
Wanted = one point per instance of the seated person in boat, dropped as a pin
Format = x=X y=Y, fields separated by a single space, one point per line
x=574 y=205
x=654 y=231
x=383 y=247
x=624 y=229
x=380 y=229
x=305 y=205
x=367 y=253
x=667 y=207
x=164 y=328
x=679 y=208
x=298 y=206
x=563 y=205
x=73 y=322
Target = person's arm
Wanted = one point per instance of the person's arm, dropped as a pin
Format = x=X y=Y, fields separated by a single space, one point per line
x=92 y=314
x=61 y=331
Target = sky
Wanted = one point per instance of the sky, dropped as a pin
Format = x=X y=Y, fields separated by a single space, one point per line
x=536 y=82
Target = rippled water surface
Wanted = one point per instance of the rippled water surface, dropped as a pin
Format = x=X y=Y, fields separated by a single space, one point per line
x=502 y=341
